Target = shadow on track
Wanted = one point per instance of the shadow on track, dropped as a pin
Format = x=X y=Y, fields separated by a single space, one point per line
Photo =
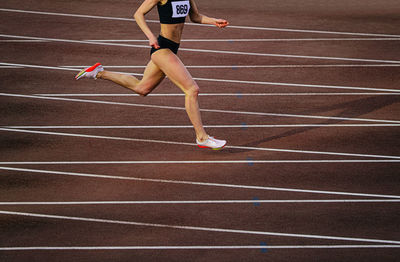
x=352 y=109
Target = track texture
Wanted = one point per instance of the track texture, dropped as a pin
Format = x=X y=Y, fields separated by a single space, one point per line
x=311 y=115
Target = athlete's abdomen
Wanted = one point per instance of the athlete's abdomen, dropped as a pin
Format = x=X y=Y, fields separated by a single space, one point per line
x=172 y=31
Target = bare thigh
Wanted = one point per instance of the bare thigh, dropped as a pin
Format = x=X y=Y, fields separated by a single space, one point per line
x=172 y=66
x=152 y=77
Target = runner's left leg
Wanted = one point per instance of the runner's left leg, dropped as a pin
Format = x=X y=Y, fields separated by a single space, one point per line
x=151 y=78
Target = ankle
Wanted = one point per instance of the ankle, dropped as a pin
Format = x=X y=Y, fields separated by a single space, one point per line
x=202 y=138
x=100 y=75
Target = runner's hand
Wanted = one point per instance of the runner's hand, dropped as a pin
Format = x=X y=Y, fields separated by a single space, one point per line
x=221 y=23
x=154 y=43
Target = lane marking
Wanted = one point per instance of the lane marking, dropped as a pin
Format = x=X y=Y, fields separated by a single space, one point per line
x=224 y=40
x=70 y=15
x=14 y=67
x=203 y=110
x=229 y=81
x=194 y=24
x=59 y=68
x=71 y=41
x=99 y=137
x=296 y=85
x=290 y=56
x=207 y=50
x=196 y=162
x=224 y=94
x=192 y=144
x=253 y=66
x=186 y=202
x=206 y=126
x=194 y=183
x=194 y=247
x=254 y=40
x=40 y=67
x=196 y=228
x=22 y=41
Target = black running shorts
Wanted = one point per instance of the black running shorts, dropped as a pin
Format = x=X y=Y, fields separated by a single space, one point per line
x=166 y=43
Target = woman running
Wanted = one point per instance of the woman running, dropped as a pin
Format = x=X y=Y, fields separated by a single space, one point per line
x=164 y=61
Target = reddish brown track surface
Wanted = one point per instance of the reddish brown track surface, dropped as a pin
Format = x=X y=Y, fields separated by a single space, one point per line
x=312 y=142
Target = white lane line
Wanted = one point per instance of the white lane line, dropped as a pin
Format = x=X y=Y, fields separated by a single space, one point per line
x=208 y=51
x=194 y=24
x=192 y=144
x=71 y=41
x=230 y=81
x=5 y=67
x=261 y=247
x=237 y=94
x=58 y=68
x=290 y=56
x=41 y=67
x=194 y=183
x=68 y=15
x=99 y=137
x=313 y=31
x=108 y=66
x=203 y=110
x=251 y=66
x=254 y=40
x=198 y=162
x=196 y=228
x=206 y=126
x=226 y=40
x=289 y=39
x=197 y=202
x=296 y=85
x=22 y=41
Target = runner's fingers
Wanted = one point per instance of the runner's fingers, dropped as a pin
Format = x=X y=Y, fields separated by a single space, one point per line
x=154 y=44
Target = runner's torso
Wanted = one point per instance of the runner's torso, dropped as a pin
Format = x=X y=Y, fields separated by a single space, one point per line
x=172 y=15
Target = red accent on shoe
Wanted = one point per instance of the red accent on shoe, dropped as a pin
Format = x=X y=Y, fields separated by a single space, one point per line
x=90 y=69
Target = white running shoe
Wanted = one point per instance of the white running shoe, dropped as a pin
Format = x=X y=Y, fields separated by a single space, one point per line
x=90 y=72
x=211 y=142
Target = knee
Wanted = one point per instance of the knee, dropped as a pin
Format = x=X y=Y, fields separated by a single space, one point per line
x=144 y=93
x=142 y=90
x=192 y=90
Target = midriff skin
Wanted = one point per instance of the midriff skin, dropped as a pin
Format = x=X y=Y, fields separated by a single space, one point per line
x=172 y=31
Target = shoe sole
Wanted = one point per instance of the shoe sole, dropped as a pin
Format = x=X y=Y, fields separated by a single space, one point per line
x=83 y=72
x=218 y=148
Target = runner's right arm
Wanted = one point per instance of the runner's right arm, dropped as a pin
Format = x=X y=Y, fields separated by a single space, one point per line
x=146 y=6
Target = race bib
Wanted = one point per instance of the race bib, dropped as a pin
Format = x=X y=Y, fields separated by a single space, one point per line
x=180 y=9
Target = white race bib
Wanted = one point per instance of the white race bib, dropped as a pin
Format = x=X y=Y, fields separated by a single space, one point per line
x=180 y=9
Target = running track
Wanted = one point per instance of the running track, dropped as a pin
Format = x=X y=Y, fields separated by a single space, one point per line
x=306 y=95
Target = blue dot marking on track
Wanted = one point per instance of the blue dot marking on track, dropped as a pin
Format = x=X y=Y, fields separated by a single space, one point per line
x=263 y=247
x=250 y=161
x=256 y=203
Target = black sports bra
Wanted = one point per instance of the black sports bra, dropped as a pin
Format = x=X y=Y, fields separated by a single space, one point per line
x=174 y=11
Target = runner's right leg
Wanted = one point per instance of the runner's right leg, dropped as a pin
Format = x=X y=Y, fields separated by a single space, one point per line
x=151 y=78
